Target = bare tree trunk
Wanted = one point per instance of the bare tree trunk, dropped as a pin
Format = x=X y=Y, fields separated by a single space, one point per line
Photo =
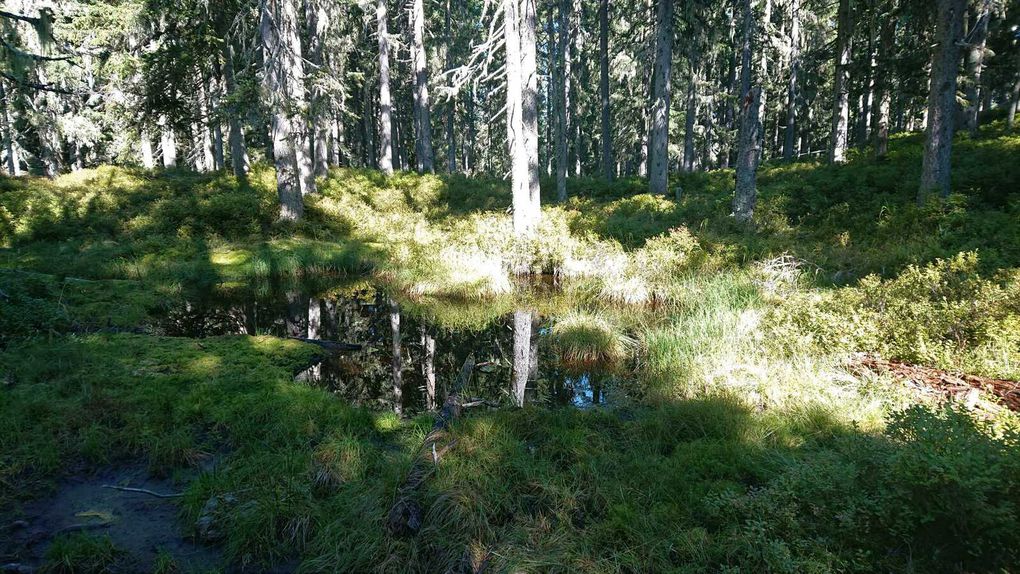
x=658 y=149
x=975 y=65
x=562 y=83
x=790 y=139
x=277 y=15
x=207 y=161
x=451 y=111
x=522 y=355
x=238 y=155
x=385 y=104
x=1014 y=101
x=214 y=119
x=691 y=115
x=397 y=361
x=883 y=82
x=841 y=89
x=317 y=19
x=935 y=168
x=13 y=162
x=428 y=367
x=746 y=195
x=148 y=161
x=608 y=163
x=422 y=112
x=522 y=112
x=168 y=143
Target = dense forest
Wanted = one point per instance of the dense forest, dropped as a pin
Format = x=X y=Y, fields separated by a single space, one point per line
x=509 y=286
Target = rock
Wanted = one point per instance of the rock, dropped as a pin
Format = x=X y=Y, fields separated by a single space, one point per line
x=209 y=524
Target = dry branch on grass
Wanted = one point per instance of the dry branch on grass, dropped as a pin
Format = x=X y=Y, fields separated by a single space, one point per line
x=958 y=386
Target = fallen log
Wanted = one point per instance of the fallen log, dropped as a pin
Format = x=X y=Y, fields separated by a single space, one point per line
x=405 y=516
x=331 y=346
x=959 y=386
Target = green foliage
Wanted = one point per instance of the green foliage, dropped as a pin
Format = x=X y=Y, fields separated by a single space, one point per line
x=83 y=554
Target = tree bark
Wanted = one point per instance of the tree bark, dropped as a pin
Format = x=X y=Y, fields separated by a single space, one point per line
x=883 y=82
x=148 y=161
x=790 y=135
x=935 y=168
x=276 y=16
x=428 y=367
x=168 y=143
x=1014 y=101
x=658 y=149
x=451 y=110
x=841 y=84
x=397 y=361
x=317 y=19
x=238 y=155
x=975 y=65
x=385 y=103
x=522 y=112
x=691 y=114
x=562 y=83
x=608 y=163
x=749 y=151
x=422 y=111
x=522 y=355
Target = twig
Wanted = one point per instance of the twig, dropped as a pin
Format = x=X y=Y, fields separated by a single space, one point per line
x=144 y=491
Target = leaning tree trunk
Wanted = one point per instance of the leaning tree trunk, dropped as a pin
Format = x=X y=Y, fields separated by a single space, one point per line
x=975 y=65
x=522 y=112
x=385 y=103
x=935 y=168
x=658 y=149
x=841 y=85
x=236 y=135
x=608 y=163
x=282 y=127
x=422 y=112
x=790 y=139
x=749 y=151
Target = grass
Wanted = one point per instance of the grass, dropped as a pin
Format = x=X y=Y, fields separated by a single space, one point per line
x=746 y=444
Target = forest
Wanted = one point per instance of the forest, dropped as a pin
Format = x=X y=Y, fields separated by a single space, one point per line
x=466 y=286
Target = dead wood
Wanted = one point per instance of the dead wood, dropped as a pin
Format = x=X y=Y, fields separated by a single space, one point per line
x=332 y=346
x=144 y=491
x=405 y=516
x=946 y=384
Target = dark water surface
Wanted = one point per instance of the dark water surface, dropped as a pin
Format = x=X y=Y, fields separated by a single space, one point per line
x=400 y=350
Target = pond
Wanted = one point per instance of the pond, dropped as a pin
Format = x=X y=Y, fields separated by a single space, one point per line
x=380 y=352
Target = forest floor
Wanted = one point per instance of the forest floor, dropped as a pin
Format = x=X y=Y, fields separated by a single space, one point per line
x=698 y=403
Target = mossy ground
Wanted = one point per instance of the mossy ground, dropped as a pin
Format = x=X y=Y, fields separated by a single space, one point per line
x=749 y=446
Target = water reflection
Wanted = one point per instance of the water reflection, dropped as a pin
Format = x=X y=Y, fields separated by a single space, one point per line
x=404 y=362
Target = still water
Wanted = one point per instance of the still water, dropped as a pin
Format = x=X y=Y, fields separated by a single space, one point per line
x=399 y=358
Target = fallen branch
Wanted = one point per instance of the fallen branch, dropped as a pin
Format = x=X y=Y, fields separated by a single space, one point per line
x=332 y=346
x=144 y=491
x=960 y=386
x=405 y=516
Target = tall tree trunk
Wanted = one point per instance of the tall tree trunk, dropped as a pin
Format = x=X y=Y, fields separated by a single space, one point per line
x=935 y=168
x=1014 y=101
x=658 y=149
x=385 y=103
x=13 y=162
x=790 y=139
x=451 y=110
x=691 y=115
x=277 y=15
x=215 y=101
x=883 y=81
x=562 y=83
x=168 y=143
x=975 y=65
x=397 y=361
x=608 y=163
x=522 y=355
x=522 y=112
x=422 y=111
x=148 y=161
x=841 y=84
x=205 y=140
x=238 y=155
x=428 y=367
x=749 y=151
x=317 y=19
x=292 y=78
